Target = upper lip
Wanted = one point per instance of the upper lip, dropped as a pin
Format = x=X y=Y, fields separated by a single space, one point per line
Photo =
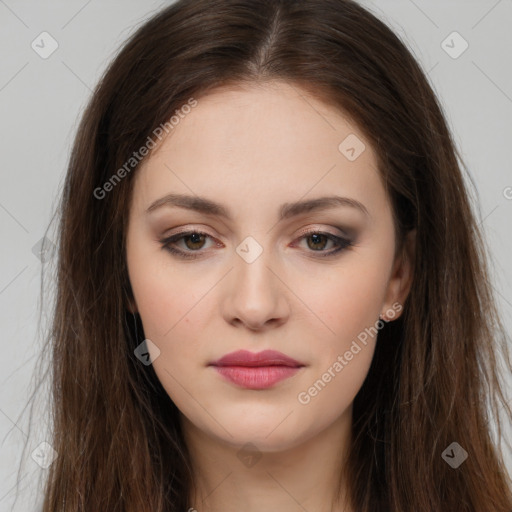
x=264 y=358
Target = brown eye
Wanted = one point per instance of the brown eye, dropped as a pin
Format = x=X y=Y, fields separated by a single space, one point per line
x=318 y=241
x=194 y=241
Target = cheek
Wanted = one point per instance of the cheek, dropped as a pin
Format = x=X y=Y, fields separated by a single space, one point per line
x=349 y=300
x=343 y=356
x=349 y=304
x=173 y=309
x=169 y=320
x=167 y=300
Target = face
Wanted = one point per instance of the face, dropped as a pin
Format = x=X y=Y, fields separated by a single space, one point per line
x=255 y=271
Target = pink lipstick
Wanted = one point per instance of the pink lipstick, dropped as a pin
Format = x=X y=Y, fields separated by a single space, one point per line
x=256 y=371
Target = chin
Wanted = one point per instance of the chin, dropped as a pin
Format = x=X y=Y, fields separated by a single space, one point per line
x=266 y=435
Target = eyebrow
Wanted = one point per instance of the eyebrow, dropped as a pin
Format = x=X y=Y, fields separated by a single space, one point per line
x=286 y=211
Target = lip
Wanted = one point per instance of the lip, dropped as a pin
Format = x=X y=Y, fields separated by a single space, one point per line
x=256 y=371
x=250 y=359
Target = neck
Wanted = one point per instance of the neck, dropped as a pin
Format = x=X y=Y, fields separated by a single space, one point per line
x=305 y=476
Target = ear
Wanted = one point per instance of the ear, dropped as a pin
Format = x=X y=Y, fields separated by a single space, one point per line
x=401 y=279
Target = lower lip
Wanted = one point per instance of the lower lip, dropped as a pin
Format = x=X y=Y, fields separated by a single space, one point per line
x=256 y=377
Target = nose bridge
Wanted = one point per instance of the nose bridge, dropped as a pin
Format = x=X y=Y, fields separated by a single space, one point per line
x=253 y=275
x=256 y=295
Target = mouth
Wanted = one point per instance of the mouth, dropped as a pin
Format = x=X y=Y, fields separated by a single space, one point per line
x=256 y=371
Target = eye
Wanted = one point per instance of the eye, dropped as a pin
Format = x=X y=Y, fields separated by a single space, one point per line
x=195 y=240
x=317 y=240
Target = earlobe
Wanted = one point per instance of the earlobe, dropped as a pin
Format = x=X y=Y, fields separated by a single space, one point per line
x=401 y=279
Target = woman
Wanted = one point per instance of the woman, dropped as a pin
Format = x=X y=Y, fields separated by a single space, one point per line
x=272 y=291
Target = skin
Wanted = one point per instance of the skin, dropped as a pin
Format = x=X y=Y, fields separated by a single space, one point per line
x=253 y=149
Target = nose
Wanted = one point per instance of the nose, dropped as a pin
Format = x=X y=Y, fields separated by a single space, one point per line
x=256 y=295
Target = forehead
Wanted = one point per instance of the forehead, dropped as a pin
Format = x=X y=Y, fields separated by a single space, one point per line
x=262 y=141
x=274 y=116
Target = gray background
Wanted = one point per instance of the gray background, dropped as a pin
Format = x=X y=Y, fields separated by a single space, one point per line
x=41 y=100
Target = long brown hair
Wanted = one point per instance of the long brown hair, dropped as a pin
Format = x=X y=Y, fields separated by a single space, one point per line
x=435 y=377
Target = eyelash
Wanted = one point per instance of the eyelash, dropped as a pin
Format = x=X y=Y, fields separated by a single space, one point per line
x=166 y=243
